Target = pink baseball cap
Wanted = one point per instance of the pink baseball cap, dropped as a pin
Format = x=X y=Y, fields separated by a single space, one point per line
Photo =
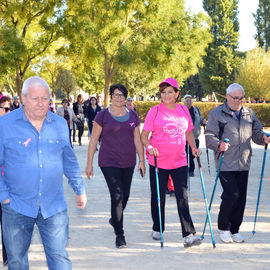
x=172 y=82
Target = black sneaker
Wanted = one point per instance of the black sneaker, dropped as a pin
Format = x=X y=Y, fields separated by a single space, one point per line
x=120 y=241
x=191 y=174
x=172 y=193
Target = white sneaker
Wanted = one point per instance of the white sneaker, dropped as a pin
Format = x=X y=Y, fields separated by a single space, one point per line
x=225 y=236
x=191 y=240
x=156 y=235
x=238 y=238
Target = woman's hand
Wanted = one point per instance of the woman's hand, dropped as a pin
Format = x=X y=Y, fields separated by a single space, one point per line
x=196 y=152
x=153 y=152
x=141 y=166
x=89 y=171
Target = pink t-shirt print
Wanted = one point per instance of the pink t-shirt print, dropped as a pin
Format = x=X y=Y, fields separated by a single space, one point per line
x=168 y=129
x=175 y=128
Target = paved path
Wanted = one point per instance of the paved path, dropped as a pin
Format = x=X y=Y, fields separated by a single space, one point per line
x=91 y=244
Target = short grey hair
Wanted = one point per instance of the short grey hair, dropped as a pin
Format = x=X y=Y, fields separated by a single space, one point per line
x=233 y=87
x=35 y=80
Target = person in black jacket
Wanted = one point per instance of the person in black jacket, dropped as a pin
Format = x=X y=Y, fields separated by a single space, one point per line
x=79 y=109
x=91 y=111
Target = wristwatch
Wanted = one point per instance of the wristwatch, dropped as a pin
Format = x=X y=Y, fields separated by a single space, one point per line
x=149 y=147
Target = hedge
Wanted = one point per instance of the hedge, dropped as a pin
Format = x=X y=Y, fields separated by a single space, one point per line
x=262 y=110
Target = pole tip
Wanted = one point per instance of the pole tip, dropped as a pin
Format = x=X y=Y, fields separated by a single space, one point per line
x=161 y=245
x=253 y=232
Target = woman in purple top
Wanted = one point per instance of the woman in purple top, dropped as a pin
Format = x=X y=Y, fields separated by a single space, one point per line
x=119 y=130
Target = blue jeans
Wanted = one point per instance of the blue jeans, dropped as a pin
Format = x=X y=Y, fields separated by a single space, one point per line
x=18 y=229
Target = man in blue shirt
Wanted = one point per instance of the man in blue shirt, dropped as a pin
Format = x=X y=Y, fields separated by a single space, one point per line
x=35 y=153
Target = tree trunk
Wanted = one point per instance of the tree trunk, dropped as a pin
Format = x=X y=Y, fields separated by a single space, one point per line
x=19 y=82
x=110 y=70
x=107 y=81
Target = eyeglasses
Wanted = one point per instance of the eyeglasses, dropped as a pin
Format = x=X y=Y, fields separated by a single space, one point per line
x=7 y=109
x=237 y=98
x=119 y=96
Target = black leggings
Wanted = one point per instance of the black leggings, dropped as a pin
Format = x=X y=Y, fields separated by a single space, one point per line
x=191 y=157
x=80 y=125
x=233 y=198
x=179 y=177
x=119 y=183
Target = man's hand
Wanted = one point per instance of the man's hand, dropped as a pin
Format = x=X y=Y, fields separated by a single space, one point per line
x=81 y=201
x=266 y=139
x=224 y=146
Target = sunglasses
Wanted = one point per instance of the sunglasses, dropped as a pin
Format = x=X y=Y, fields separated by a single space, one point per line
x=7 y=109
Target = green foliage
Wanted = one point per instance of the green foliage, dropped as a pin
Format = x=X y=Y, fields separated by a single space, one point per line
x=193 y=87
x=221 y=60
x=262 y=23
x=254 y=73
x=135 y=42
x=12 y=50
x=28 y=29
x=262 y=110
x=142 y=107
x=65 y=81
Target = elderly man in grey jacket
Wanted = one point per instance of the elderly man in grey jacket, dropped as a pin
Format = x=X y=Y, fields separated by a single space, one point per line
x=239 y=124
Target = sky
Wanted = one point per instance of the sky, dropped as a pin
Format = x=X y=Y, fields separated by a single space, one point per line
x=247 y=28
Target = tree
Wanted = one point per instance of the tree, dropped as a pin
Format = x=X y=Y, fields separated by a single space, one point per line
x=262 y=23
x=112 y=36
x=221 y=61
x=193 y=87
x=254 y=73
x=65 y=81
x=28 y=29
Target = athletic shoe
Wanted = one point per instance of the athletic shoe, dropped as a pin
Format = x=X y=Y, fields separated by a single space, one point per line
x=191 y=174
x=191 y=240
x=225 y=236
x=238 y=238
x=156 y=235
x=120 y=241
x=172 y=193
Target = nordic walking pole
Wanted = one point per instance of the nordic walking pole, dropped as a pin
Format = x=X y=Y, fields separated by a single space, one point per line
x=214 y=188
x=205 y=200
x=188 y=176
x=158 y=200
x=260 y=187
x=207 y=154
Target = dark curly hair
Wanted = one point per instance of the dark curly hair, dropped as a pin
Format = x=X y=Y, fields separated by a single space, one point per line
x=120 y=87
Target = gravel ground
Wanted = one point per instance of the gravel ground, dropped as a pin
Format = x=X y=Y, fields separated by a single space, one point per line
x=91 y=243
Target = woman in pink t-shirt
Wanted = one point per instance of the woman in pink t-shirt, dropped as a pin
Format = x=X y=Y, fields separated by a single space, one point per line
x=170 y=126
